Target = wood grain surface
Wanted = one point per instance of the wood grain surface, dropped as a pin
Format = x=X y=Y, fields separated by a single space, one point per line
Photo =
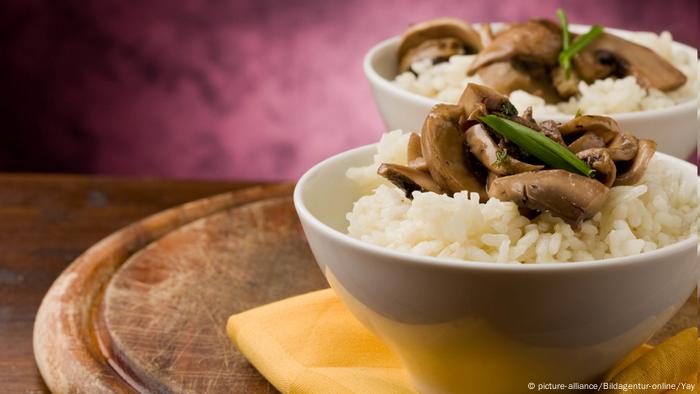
x=46 y=221
x=158 y=325
x=165 y=311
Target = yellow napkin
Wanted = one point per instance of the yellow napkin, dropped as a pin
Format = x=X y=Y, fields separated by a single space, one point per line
x=312 y=344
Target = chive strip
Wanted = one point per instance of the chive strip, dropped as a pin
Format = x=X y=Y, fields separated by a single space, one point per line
x=564 y=28
x=538 y=144
x=576 y=46
x=563 y=20
x=581 y=42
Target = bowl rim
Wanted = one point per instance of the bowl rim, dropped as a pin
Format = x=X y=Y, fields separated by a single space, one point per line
x=375 y=79
x=308 y=219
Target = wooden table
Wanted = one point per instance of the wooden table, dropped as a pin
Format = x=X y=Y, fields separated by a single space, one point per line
x=46 y=221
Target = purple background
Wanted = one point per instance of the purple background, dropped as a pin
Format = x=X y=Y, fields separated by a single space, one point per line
x=222 y=89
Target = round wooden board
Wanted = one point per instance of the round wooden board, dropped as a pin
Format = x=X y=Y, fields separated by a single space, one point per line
x=146 y=308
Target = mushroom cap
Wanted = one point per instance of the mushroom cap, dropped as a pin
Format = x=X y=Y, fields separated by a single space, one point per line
x=408 y=179
x=444 y=27
x=537 y=41
x=434 y=49
x=586 y=141
x=444 y=149
x=623 y=147
x=479 y=97
x=569 y=196
x=610 y=55
x=638 y=166
x=603 y=126
x=506 y=77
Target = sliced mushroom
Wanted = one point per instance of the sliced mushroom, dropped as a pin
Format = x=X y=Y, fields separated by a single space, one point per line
x=437 y=50
x=509 y=76
x=443 y=144
x=479 y=98
x=569 y=196
x=486 y=33
x=599 y=159
x=408 y=179
x=536 y=41
x=586 y=141
x=482 y=146
x=566 y=87
x=550 y=128
x=437 y=29
x=623 y=147
x=609 y=55
x=414 y=153
x=490 y=178
x=603 y=126
x=637 y=167
x=529 y=118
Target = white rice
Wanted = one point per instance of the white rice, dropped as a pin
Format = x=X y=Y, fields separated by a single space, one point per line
x=662 y=209
x=446 y=81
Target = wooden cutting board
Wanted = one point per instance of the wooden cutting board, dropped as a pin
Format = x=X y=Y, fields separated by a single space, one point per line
x=146 y=308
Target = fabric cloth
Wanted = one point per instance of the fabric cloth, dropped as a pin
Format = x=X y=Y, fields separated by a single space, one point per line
x=312 y=344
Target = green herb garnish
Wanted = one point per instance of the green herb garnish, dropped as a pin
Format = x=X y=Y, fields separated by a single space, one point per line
x=502 y=158
x=578 y=113
x=539 y=145
x=569 y=49
x=563 y=20
x=564 y=28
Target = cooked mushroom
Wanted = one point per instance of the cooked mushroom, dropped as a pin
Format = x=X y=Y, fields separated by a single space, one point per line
x=603 y=126
x=437 y=50
x=481 y=100
x=638 y=166
x=443 y=145
x=435 y=30
x=535 y=41
x=509 y=76
x=408 y=179
x=490 y=178
x=485 y=33
x=623 y=147
x=567 y=195
x=414 y=153
x=609 y=55
x=599 y=159
x=586 y=141
x=550 y=128
x=482 y=146
x=566 y=87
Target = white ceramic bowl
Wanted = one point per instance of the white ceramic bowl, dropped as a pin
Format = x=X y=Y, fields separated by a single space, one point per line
x=673 y=128
x=489 y=327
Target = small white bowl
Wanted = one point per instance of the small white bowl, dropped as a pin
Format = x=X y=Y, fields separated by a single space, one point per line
x=673 y=128
x=490 y=327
